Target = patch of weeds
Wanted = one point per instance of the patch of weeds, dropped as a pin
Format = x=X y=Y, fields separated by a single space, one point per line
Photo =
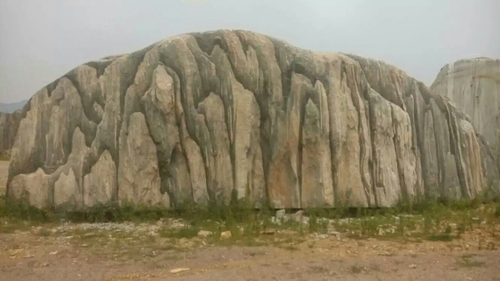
x=491 y=246
x=370 y=226
x=4 y=157
x=467 y=261
x=44 y=232
x=356 y=269
x=115 y=213
x=258 y=253
x=23 y=211
x=317 y=224
x=165 y=247
x=90 y=236
x=317 y=269
x=184 y=232
x=468 y=256
x=10 y=226
x=287 y=242
x=445 y=237
x=497 y=211
x=423 y=217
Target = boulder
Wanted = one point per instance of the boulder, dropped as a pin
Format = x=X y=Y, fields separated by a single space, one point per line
x=473 y=86
x=209 y=117
x=9 y=123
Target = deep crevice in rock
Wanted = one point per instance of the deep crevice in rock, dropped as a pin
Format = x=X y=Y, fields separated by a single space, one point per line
x=455 y=143
x=401 y=177
x=52 y=86
x=99 y=66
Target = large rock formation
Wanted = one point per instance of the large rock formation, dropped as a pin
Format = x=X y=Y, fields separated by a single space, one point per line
x=9 y=123
x=474 y=86
x=203 y=117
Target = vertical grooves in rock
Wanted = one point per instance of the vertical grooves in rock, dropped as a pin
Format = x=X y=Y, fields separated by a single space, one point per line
x=419 y=135
x=159 y=154
x=371 y=161
x=328 y=70
x=213 y=193
x=231 y=131
x=127 y=78
x=362 y=156
x=163 y=159
x=89 y=134
x=99 y=66
x=356 y=101
x=51 y=86
x=175 y=70
x=440 y=153
x=265 y=133
x=402 y=183
x=335 y=164
x=455 y=143
x=218 y=62
x=374 y=162
x=415 y=148
x=301 y=146
x=230 y=117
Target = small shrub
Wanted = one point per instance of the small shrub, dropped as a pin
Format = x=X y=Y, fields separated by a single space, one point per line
x=23 y=211
x=445 y=237
x=185 y=232
x=356 y=269
x=44 y=232
x=497 y=211
x=4 y=156
x=466 y=261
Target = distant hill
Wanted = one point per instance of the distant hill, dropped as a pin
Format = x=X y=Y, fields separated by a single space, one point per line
x=11 y=107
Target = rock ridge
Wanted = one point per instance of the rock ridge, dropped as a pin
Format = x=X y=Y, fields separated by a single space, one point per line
x=473 y=85
x=205 y=117
x=9 y=123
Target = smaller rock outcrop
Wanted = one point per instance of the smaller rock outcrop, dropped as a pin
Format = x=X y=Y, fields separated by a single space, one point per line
x=473 y=85
x=9 y=123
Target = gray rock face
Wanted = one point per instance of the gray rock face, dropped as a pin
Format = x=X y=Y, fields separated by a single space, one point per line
x=203 y=117
x=9 y=123
x=473 y=85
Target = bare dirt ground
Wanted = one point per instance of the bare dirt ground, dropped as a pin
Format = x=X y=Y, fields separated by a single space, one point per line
x=127 y=251
x=27 y=256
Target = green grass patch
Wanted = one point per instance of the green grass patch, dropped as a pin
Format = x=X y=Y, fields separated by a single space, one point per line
x=497 y=211
x=422 y=219
x=184 y=232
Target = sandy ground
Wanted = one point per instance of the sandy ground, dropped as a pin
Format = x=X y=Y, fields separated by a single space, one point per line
x=4 y=170
x=27 y=254
x=27 y=257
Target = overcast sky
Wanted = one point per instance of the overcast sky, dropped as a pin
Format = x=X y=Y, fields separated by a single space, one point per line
x=42 y=40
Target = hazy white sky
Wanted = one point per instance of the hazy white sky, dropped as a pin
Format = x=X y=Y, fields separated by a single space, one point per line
x=40 y=40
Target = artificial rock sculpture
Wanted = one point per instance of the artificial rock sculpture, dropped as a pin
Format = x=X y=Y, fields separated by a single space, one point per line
x=201 y=117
